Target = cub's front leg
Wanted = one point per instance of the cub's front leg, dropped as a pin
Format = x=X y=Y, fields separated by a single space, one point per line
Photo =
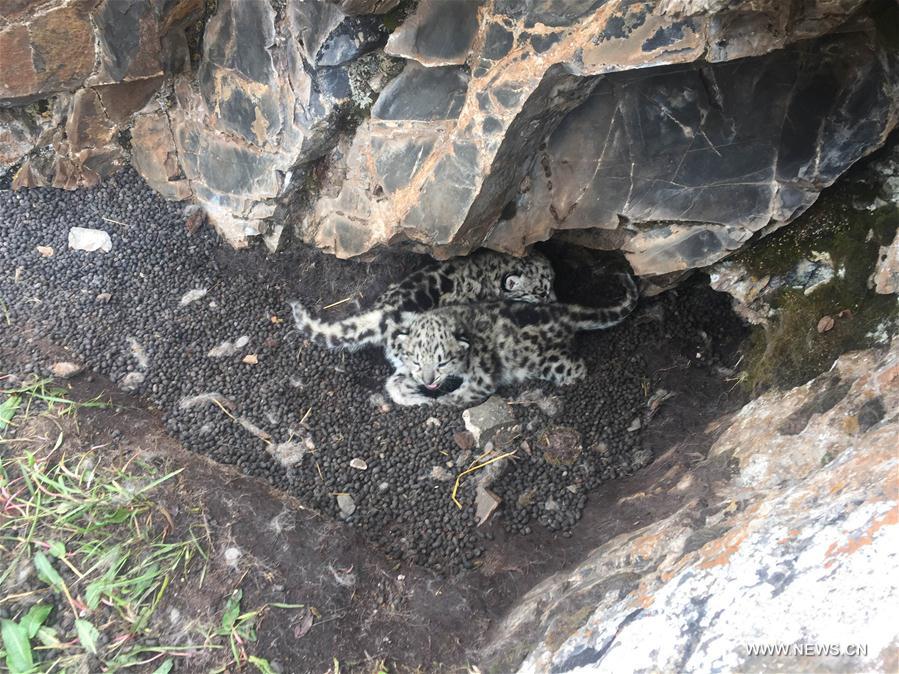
x=473 y=390
x=404 y=390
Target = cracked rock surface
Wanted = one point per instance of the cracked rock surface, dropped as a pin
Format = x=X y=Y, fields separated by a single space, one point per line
x=801 y=524
x=673 y=131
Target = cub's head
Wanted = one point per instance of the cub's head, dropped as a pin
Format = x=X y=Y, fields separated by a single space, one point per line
x=529 y=279
x=432 y=349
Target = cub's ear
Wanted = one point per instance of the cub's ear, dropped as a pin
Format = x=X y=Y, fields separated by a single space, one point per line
x=511 y=282
x=463 y=341
x=401 y=337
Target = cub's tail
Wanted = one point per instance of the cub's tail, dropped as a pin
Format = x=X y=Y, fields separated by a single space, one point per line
x=351 y=333
x=589 y=318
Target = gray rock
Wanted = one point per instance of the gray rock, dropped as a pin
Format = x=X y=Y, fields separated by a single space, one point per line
x=90 y=240
x=676 y=166
x=705 y=156
x=486 y=419
x=486 y=503
x=346 y=504
x=746 y=289
x=783 y=553
x=439 y=33
x=352 y=37
x=423 y=94
x=18 y=135
x=192 y=296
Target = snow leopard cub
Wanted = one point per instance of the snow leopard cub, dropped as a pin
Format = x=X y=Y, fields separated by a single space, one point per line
x=485 y=275
x=460 y=355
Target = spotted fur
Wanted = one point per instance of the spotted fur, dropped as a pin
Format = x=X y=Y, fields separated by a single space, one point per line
x=460 y=355
x=482 y=276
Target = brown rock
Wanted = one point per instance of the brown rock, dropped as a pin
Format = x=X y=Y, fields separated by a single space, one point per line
x=18 y=78
x=88 y=125
x=121 y=100
x=464 y=440
x=486 y=503
x=63 y=44
x=27 y=176
x=826 y=323
x=65 y=369
x=48 y=49
x=16 y=10
x=154 y=156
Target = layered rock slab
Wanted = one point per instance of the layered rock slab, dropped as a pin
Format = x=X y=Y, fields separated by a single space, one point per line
x=72 y=74
x=494 y=172
x=674 y=131
x=775 y=550
x=678 y=167
x=264 y=102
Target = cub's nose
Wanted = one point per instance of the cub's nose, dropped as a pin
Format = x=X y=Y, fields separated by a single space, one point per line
x=427 y=376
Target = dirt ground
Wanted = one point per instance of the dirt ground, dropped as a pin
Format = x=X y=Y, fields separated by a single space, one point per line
x=368 y=612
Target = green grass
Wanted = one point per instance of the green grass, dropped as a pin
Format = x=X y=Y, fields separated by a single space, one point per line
x=41 y=392
x=89 y=554
x=101 y=550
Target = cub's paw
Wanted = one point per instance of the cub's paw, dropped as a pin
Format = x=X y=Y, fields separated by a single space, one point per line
x=404 y=391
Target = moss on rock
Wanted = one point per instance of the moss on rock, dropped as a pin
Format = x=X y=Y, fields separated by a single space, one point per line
x=791 y=350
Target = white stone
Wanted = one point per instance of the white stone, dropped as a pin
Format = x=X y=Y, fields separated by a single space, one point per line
x=192 y=296
x=346 y=504
x=90 y=240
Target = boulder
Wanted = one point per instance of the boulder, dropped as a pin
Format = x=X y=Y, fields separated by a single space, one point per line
x=673 y=131
x=645 y=128
x=487 y=419
x=793 y=512
x=265 y=103
x=688 y=164
x=72 y=75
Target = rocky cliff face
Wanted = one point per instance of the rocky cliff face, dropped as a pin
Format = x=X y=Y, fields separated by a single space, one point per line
x=673 y=131
x=792 y=515
x=72 y=74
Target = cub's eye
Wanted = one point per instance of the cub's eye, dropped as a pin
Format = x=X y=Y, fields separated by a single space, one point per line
x=443 y=363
